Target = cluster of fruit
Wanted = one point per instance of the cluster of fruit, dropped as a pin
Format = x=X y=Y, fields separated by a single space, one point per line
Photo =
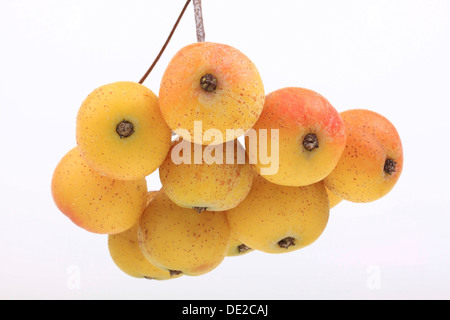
x=220 y=197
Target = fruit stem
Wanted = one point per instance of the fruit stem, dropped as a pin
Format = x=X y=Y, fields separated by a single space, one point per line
x=199 y=20
x=166 y=43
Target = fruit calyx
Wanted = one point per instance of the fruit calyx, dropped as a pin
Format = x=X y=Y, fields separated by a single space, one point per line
x=208 y=83
x=243 y=248
x=311 y=142
x=174 y=273
x=286 y=242
x=200 y=209
x=389 y=166
x=125 y=129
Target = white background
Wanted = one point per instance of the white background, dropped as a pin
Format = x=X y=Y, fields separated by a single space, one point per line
x=391 y=56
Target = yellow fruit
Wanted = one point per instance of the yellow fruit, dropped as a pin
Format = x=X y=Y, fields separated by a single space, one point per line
x=182 y=240
x=94 y=202
x=278 y=219
x=208 y=185
x=120 y=131
x=127 y=255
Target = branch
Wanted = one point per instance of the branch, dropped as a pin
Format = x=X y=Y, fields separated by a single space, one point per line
x=199 y=20
x=165 y=44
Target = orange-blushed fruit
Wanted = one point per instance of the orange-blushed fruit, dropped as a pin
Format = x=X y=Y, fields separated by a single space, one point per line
x=372 y=161
x=311 y=137
x=213 y=83
x=120 y=131
x=95 y=202
x=218 y=180
x=126 y=253
x=182 y=240
x=278 y=219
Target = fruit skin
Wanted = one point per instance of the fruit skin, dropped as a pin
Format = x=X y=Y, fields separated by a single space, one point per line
x=180 y=239
x=333 y=198
x=297 y=112
x=127 y=255
x=235 y=104
x=371 y=140
x=273 y=212
x=215 y=186
x=150 y=196
x=94 y=202
x=129 y=158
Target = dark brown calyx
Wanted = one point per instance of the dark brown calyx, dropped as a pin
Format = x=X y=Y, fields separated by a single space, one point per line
x=208 y=83
x=389 y=166
x=125 y=129
x=243 y=248
x=200 y=209
x=311 y=142
x=174 y=273
x=286 y=242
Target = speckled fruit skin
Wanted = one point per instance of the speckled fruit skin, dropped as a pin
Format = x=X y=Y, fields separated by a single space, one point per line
x=273 y=212
x=236 y=103
x=130 y=158
x=180 y=239
x=297 y=112
x=94 y=202
x=127 y=255
x=371 y=139
x=333 y=198
x=215 y=186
